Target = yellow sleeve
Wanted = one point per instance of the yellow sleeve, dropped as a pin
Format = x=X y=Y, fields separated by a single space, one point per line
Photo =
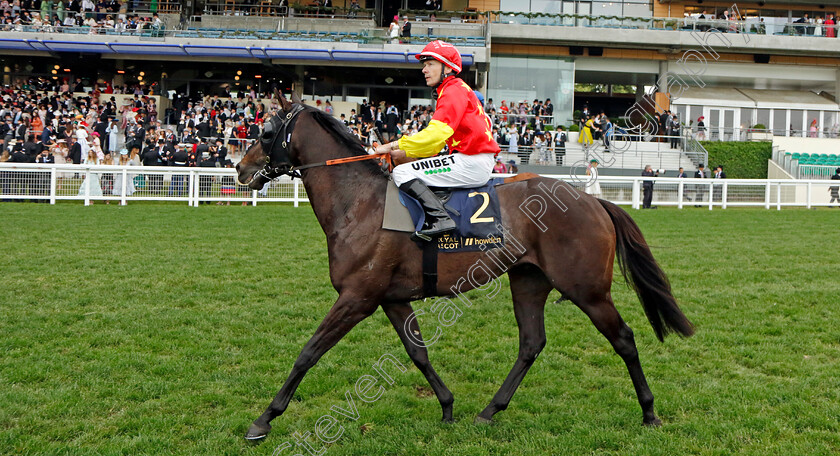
x=428 y=142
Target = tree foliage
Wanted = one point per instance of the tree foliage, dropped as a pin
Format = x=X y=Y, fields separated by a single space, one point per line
x=740 y=160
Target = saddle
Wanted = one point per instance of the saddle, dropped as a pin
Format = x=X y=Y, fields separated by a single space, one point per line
x=475 y=211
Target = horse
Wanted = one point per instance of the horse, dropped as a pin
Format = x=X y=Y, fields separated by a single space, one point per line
x=556 y=239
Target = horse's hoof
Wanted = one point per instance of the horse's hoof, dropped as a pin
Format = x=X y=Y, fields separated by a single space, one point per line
x=447 y=419
x=481 y=420
x=656 y=422
x=257 y=432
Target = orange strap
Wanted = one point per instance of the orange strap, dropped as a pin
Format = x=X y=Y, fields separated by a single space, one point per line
x=383 y=160
x=386 y=156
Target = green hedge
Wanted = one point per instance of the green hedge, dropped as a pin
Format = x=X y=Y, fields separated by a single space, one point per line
x=740 y=160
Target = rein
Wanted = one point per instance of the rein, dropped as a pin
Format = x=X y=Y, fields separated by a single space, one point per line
x=383 y=158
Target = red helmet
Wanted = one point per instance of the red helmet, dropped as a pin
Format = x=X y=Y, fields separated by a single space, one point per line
x=444 y=53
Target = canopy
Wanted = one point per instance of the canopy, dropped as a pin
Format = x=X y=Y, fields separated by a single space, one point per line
x=755 y=98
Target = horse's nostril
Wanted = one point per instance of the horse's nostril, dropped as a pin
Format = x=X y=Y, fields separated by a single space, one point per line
x=237 y=166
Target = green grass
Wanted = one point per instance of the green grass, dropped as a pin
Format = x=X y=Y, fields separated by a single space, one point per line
x=163 y=329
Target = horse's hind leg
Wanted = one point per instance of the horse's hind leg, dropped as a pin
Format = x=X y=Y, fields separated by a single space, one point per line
x=342 y=317
x=399 y=314
x=529 y=289
x=605 y=317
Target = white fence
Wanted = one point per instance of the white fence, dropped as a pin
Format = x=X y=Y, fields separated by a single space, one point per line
x=711 y=193
x=88 y=184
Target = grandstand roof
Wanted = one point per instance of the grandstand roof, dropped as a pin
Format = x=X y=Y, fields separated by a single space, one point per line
x=714 y=96
x=790 y=99
x=755 y=98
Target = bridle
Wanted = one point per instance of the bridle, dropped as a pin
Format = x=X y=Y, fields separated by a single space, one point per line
x=277 y=161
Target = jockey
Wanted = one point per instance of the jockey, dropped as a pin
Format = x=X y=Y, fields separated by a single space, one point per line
x=459 y=122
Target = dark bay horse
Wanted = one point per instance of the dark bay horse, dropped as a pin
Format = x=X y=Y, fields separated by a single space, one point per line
x=557 y=239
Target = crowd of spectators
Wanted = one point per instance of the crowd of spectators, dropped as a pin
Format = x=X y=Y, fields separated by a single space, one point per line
x=48 y=109
x=48 y=125
x=733 y=22
x=52 y=119
x=522 y=128
x=39 y=126
x=70 y=127
x=520 y=131
x=816 y=26
x=50 y=16
x=42 y=121
x=383 y=122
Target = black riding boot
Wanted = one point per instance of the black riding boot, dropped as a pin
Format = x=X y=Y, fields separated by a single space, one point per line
x=437 y=219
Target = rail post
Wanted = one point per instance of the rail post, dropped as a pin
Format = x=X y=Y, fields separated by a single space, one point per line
x=87 y=182
x=711 y=193
x=53 y=184
x=124 y=185
x=808 y=196
x=778 y=196
x=191 y=190
x=767 y=195
x=723 y=195
x=635 y=192
x=680 y=192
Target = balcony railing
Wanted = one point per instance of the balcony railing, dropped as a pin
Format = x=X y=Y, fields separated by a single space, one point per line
x=455 y=17
x=134 y=8
x=750 y=25
x=807 y=166
x=759 y=134
x=268 y=8
x=160 y=7
x=365 y=36
x=274 y=8
x=85 y=30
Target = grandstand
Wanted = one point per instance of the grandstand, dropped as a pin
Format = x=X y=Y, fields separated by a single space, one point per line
x=626 y=158
x=810 y=158
x=608 y=56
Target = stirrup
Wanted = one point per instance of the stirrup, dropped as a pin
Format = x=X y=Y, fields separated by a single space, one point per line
x=426 y=236
x=417 y=236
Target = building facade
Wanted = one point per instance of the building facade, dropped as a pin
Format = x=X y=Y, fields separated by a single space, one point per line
x=766 y=56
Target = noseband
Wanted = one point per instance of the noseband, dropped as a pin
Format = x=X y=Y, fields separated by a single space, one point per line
x=277 y=161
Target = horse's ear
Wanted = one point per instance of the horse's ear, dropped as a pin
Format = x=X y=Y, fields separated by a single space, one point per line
x=296 y=98
x=284 y=103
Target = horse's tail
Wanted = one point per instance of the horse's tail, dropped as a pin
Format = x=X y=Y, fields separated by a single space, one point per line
x=644 y=275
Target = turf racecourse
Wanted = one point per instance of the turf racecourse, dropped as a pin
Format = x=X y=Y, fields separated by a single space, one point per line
x=158 y=329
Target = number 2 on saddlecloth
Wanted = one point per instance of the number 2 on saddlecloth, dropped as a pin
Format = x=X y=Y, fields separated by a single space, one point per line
x=475 y=217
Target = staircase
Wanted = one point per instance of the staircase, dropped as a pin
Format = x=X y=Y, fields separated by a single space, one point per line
x=628 y=155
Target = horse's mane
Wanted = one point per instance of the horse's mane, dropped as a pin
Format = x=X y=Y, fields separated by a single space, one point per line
x=340 y=132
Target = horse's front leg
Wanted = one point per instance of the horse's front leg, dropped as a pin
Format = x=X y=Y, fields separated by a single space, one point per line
x=409 y=331
x=344 y=315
